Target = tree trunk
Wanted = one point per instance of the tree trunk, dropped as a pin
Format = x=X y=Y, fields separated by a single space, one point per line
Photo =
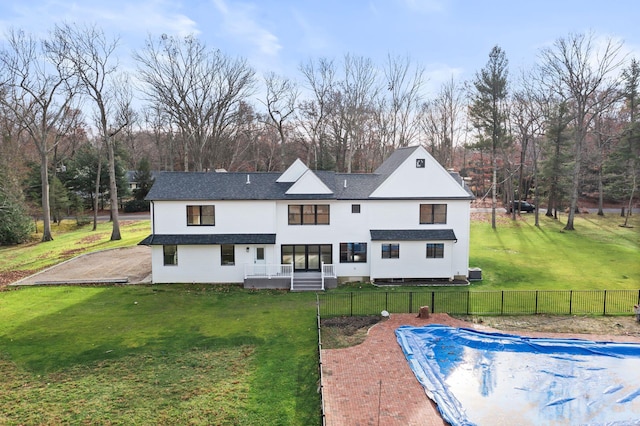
x=113 y=192
x=576 y=182
x=494 y=200
x=97 y=193
x=600 y=193
x=46 y=209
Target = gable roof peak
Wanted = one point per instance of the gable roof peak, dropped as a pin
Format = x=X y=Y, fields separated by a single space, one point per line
x=293 y=172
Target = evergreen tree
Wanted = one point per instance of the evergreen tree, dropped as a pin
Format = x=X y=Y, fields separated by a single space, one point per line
x=556 y=166
x=15 y=224
x=143 y=178
x=488 y=113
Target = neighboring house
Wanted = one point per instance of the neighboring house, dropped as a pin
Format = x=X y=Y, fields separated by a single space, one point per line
x=409 y=220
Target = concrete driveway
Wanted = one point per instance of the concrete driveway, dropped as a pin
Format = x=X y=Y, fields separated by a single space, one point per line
x=131 y=265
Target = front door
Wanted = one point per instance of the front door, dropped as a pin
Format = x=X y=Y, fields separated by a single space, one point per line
x=306 y=257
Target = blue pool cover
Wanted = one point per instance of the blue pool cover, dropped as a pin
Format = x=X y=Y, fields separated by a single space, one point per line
x=479 y=378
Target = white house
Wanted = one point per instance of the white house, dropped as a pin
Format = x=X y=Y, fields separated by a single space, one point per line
x=409 y=220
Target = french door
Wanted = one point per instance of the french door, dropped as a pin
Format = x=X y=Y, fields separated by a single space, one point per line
x=306 y=257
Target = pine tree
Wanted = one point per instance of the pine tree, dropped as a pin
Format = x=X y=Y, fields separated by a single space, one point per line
x=488 y=113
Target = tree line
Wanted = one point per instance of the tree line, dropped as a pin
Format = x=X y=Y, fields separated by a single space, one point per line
x=563 y=128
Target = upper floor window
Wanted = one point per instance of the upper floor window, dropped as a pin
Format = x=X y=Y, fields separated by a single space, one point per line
x=308 y=214
x=391 y=251
x=170 y=254
x=435 y=250
x=353 y=252
x=433 y=213
x=201 y=215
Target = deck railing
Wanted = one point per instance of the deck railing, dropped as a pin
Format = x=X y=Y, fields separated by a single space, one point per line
x=268 y=270
x=327 y=271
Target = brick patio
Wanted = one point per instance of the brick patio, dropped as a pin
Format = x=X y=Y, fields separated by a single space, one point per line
x=372 y=384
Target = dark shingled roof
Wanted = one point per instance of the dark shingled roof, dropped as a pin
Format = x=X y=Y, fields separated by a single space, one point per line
x=207 y=239
x=183 y=186
x=413 y=235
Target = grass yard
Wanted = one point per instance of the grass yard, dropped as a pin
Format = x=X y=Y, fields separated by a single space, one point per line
x=180 y=355
x=598 y=255
x=517 y=255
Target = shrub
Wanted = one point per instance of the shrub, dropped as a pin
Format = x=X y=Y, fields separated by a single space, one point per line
x=133 y=206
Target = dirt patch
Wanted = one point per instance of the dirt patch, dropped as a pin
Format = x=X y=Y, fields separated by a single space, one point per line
x=9 y=277
x=342 y=332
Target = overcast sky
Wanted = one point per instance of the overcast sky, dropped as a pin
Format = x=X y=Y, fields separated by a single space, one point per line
x=447 y=37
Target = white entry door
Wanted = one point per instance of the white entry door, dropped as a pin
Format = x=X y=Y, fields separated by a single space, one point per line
x=259 y=256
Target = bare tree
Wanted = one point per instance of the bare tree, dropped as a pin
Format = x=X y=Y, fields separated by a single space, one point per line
x=354 y=102
x=280 y=100
x=321 y=79
x=40 y=91
x=91 y=54
x=576 y=69
x=200 y=89
x=440 y=120
x=404 y=86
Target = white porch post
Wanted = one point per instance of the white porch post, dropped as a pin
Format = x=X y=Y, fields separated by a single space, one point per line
x=291 y=276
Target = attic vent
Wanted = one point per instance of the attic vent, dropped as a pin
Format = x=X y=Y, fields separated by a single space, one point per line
x=248 y=179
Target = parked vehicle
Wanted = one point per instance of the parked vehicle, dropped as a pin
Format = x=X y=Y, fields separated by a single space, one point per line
x=524 y=206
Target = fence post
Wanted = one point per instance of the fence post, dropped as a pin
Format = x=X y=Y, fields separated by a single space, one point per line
x=604 y=309
x=502 y=303
x=386 y=300
x=570 y=302
x=536 y=302
x=351 y=305
x=410 y=302
x=433 y=302
x=468 y=301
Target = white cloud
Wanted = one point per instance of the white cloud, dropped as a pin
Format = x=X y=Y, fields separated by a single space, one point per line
x=239 y=21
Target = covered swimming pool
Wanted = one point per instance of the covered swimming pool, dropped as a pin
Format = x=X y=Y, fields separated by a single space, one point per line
x=480 y=378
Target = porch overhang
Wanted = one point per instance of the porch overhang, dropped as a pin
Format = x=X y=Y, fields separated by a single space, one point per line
x=413 y=235
x=207 y=239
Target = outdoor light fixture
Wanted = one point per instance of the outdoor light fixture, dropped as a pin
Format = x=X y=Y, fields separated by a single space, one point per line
x=247 y=249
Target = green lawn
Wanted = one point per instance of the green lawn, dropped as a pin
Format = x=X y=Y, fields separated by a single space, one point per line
x=187 y=354
x=598 y=255
x=180 y=355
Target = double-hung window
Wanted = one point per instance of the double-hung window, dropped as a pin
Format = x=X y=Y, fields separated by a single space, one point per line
x=433 y=213
x=201 y=215
x=353 y=252
x=391 y=251
x=308 y=214
x=435 y=250
x=170 y=254
x=227 y=254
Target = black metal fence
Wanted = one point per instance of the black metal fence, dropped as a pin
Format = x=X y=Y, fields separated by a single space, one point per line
x=507 y=302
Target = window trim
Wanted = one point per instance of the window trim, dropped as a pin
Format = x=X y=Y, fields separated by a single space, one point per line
x=200 y=215
x=436 y=249
x=304 y=218
x=174 y=255
x=392 y=248
x=433 y=215
x=348 y=253
x=355 y=208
